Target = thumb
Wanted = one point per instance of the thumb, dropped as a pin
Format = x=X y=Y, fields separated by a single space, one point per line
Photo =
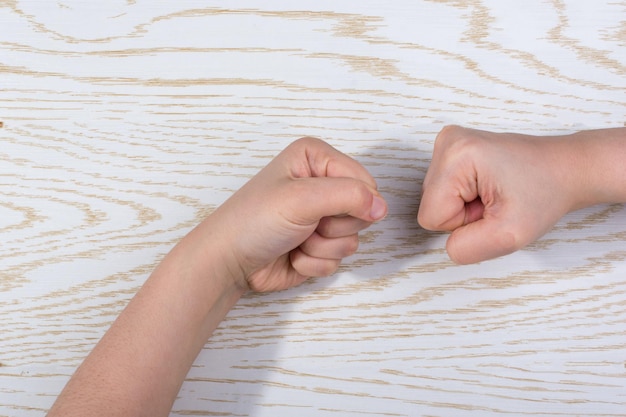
x=318 y=197
x=481 y=240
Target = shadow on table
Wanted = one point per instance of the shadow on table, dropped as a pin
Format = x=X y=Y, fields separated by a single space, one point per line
x=243 y=361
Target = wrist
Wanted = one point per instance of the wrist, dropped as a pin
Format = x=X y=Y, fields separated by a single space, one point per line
x=214 y=257
x=595 y=166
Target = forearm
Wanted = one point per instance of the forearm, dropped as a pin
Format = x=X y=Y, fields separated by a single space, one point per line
x=139 y=365
x=248 y=243
x=596 y=166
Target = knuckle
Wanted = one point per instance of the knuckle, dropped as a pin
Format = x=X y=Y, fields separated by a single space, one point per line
x=509 y=242
x=455 y=140
x=306 y=141
x=360 y=194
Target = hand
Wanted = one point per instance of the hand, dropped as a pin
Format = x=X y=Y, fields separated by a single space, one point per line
x=298 y=217
x=495 y=192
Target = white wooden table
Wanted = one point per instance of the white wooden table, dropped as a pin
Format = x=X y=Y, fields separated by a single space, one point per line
x=125 y=123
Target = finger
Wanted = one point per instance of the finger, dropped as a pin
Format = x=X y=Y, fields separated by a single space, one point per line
x=310 y=266
x=474 y=211
x=338 y=226
x=323 y=160
x=280 y=276
x=482 y=240
x=307 y=200
x=450 y=183
x=338 y=248
x=441 y=208
x=446 y=194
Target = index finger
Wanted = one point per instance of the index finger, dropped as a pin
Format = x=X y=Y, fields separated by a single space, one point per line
x=450 y=195
x=323 y=160
x=441 y=208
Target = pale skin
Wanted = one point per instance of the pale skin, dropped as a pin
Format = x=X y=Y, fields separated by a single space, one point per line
x=494 y=192
x=272 y=234
x=498 y=192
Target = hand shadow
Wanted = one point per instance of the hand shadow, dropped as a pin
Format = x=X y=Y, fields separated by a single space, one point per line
x=396 y=243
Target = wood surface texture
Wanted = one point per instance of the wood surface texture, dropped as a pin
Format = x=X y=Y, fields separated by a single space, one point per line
x=124 y=123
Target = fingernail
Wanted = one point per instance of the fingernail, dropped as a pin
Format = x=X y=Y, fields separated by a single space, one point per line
x=378 y=209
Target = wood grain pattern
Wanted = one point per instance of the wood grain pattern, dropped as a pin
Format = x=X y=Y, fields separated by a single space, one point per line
x=122 y=124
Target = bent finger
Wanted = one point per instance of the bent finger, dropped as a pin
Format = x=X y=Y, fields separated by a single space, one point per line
x=443 y=206
x=318 y=246
x=323 y=160
x=310 y=266
x=339 y=226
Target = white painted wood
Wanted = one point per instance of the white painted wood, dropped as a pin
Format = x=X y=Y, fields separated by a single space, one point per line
x=125 y=123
